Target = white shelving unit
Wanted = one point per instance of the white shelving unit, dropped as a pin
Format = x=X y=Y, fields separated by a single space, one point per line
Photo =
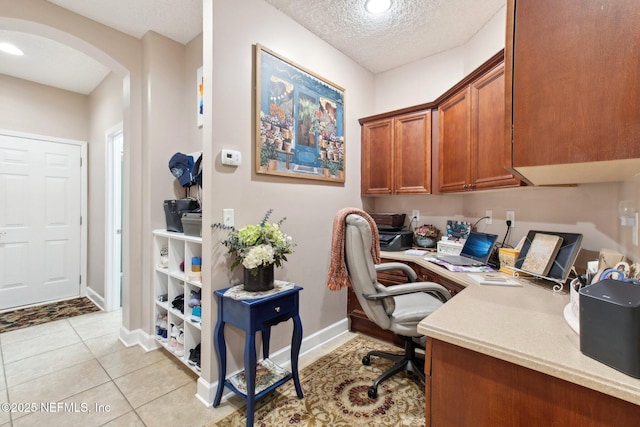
x=173 y=280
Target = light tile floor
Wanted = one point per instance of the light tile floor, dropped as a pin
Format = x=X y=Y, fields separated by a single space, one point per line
x=79 y=367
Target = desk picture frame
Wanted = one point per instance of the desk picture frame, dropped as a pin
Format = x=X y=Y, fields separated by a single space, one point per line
x=299 y=121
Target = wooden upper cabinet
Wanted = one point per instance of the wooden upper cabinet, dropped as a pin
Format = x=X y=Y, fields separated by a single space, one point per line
x=573 y=73
x=412 y=140
x=471 y=151
x=454 y=138
x=489 y=158
x=396 y=155
x=377 y=158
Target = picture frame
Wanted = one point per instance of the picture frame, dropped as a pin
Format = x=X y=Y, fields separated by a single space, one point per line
x=299 y=121
x=200 y=96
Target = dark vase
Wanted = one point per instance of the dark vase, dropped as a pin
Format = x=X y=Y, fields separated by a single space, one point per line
x=258 y=279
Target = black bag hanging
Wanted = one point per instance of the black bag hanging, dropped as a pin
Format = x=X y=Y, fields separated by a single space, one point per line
x=173 y=210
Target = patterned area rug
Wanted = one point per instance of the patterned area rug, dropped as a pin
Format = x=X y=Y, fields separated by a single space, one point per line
x=31 y=316
x=335 y=394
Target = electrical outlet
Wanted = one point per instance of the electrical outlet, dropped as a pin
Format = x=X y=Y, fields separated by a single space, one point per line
x=416 y=214
x=227 y=217
x=511 y=216
x=489 y=214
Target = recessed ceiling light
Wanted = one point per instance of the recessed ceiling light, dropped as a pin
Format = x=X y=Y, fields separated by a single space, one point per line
x=377 y=6
x=10 y=49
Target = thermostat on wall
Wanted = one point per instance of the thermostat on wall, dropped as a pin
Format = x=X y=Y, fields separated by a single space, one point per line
x=231 y=157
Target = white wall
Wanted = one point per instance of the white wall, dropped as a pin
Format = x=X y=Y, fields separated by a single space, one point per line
x=105 y=112
x=42 y=110
x=167 y=119
x=308 y=205
x=489 y=40
x=425 y=80
x=418 y=82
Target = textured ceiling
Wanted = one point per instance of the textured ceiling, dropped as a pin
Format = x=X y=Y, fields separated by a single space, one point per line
x=179 y=20
x=410 y=30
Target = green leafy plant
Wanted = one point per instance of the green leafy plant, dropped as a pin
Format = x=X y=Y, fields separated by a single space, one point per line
x=268 y=151
x=331 y=166
x=308 y=113
x=258 y=245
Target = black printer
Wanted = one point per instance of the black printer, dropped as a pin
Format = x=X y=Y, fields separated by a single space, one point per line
x=391 y=231
x=396 y=240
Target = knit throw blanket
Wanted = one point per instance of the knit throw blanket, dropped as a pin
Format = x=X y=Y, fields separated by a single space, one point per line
x=338 y=276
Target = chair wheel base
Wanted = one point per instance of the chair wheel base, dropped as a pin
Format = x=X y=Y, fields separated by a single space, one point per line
x=372 y=392
x=366 y=360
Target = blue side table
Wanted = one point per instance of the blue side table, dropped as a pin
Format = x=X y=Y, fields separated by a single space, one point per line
x=252 y=315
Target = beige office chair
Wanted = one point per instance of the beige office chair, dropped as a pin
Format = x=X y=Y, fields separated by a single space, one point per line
x=397 y=308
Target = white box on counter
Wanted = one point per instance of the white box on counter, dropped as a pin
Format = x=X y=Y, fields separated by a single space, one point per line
x=450 y=247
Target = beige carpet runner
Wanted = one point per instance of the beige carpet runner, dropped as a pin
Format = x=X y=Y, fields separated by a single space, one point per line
x=335 y=394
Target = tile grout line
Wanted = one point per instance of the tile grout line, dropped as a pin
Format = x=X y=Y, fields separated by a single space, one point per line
x=111 y=379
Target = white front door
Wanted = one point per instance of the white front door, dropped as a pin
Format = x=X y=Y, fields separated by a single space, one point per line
x=40 y=216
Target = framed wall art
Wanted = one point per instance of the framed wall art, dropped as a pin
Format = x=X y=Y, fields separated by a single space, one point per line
x=299 y=121
x=200 y=95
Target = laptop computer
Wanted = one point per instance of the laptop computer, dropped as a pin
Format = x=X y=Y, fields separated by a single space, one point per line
x=476 y=250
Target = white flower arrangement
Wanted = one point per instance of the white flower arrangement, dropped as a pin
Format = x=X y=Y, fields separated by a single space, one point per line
x=258 y=245
x=259 y=255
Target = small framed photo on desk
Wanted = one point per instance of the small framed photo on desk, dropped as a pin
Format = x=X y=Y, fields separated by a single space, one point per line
x=458 y=230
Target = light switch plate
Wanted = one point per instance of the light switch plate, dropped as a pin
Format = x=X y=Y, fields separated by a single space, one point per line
x=227 y=217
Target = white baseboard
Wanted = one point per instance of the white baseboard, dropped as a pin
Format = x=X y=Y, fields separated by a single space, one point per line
x=281 y=357
x=320 y=338
x=96 y=298
x=138 y=337
x=205 y=390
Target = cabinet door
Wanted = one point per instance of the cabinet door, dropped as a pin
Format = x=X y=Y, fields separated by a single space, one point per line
x=500 y=393
x=489 y=158
x=412 y=139
x=377 y=158
x=454 y=131
x=576 y=91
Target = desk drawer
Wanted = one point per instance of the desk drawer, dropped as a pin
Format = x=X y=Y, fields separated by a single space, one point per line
x=274 y=309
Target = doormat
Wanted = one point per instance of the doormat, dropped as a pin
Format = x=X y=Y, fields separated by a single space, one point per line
x=335 y=394
x=31 y=316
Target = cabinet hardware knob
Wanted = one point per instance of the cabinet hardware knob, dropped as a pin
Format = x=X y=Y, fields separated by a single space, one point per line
x=277 y=309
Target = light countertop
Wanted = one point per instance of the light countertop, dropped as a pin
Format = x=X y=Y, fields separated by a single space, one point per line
x=523 y=325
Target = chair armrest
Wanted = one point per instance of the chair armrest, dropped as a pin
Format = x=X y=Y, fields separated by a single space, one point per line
x=438 y=291
x=408 y=271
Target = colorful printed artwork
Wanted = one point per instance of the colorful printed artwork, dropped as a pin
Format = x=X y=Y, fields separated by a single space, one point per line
x=458 y=230
x=299 y=121
x=200 y=96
